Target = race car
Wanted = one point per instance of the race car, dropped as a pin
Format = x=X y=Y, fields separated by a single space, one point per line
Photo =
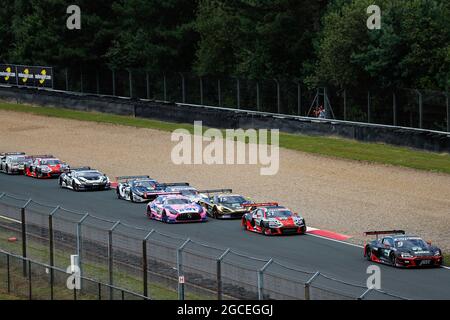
x=400 y=250
x=175 y=209
x=13 y=162
x=188 y=191
x=225 y=205
x=272 y=219
x=143 y=188
x=45 y=167
x=84 y=179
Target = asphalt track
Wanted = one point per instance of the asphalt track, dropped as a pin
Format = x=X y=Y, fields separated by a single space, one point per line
x=342 y=261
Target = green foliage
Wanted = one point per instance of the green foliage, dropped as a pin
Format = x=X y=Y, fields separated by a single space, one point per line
x=322 y=42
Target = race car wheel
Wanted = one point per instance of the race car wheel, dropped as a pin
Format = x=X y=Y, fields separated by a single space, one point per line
x=7 y=170
x=149 y=213
x=215 y=213
x=75 y=186
x=131 y=197
x=394 y=260
x=118 y=194
x=244 y=223
x=369 y=254
x=164 y=216
x=60 y=182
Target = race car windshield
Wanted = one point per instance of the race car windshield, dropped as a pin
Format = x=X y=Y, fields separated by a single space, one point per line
x=410 y=243
x=232 y=200
x=177 y=201
x=145 y=184
x=89 y=173
x=279 y=214
x=50 y=162
x=17 y=160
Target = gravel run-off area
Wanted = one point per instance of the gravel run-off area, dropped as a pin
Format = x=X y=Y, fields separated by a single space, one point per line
x=344 y=196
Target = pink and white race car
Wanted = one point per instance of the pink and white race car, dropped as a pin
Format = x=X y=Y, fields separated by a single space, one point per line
x=175 y=209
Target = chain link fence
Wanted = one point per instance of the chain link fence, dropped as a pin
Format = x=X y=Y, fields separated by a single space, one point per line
x=143 y=263
x=425 y=109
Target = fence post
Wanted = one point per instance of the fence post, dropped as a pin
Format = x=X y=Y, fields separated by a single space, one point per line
x=30 y=293
x=147 y=81
x=79 y=244
x=345 y=104
x=238 y=93
x=81 y=80
x=278 y=96
x=201 y=91
x=113 y=72
x=308 y=285
x=145 y=263
x=219 y=92
x=52 y=251
x=219 y=274
x=394 y=108
x=67 y=79
x=165 y=87
x=258 y=100
x=110 y=259
x=130 y=79
x=180 y=269
x=183 y=88
x=24 y=236
x=8 y=273
x=368 y=107
x=299 y=99
x=261 y=279
x=97 y=80
x=448 y=110
x=420 y=109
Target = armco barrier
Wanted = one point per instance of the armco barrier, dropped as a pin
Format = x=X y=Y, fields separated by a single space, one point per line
x=436 y=141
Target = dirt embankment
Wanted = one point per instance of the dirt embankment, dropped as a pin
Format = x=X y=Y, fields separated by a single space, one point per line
x=344 y=196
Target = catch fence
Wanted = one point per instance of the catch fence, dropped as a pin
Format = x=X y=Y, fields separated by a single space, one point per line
x=146 y=263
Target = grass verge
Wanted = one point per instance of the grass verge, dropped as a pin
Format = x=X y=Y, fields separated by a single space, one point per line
x=93 y=269
x=325 y=146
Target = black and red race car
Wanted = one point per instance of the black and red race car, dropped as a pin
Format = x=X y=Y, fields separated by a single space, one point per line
x=400 y=250
x=46 y=167
x=272 y=219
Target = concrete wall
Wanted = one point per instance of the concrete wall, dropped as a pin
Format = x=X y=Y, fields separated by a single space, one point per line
x=230 y=118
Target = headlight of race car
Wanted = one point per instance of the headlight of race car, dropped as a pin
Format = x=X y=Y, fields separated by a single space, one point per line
x=406 y=255
x=223 y=209
x=299 y=221
x=275 y=224
x=172 y=211
x=437 y=253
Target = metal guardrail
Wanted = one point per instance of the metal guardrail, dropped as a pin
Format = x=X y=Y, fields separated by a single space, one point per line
x=138 y=259
x=251 y=112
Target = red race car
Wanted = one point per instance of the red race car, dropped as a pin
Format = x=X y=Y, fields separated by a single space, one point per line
x=272 y=219
x=46 y=167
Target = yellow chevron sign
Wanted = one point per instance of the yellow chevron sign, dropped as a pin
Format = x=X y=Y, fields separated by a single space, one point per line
x=43 y=73
x=8 y=71
x=26 y=72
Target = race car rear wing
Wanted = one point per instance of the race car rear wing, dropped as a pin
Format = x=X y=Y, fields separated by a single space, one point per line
x=127 y=178
x=5 y=154
x=80 y=169
x=43 y=156
x=154 y=195
x=173 y=184
x=216 y=191
x=257 y=205
x=377 y=233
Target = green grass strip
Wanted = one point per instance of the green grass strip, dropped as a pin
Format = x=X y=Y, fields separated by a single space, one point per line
x=325 y=146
